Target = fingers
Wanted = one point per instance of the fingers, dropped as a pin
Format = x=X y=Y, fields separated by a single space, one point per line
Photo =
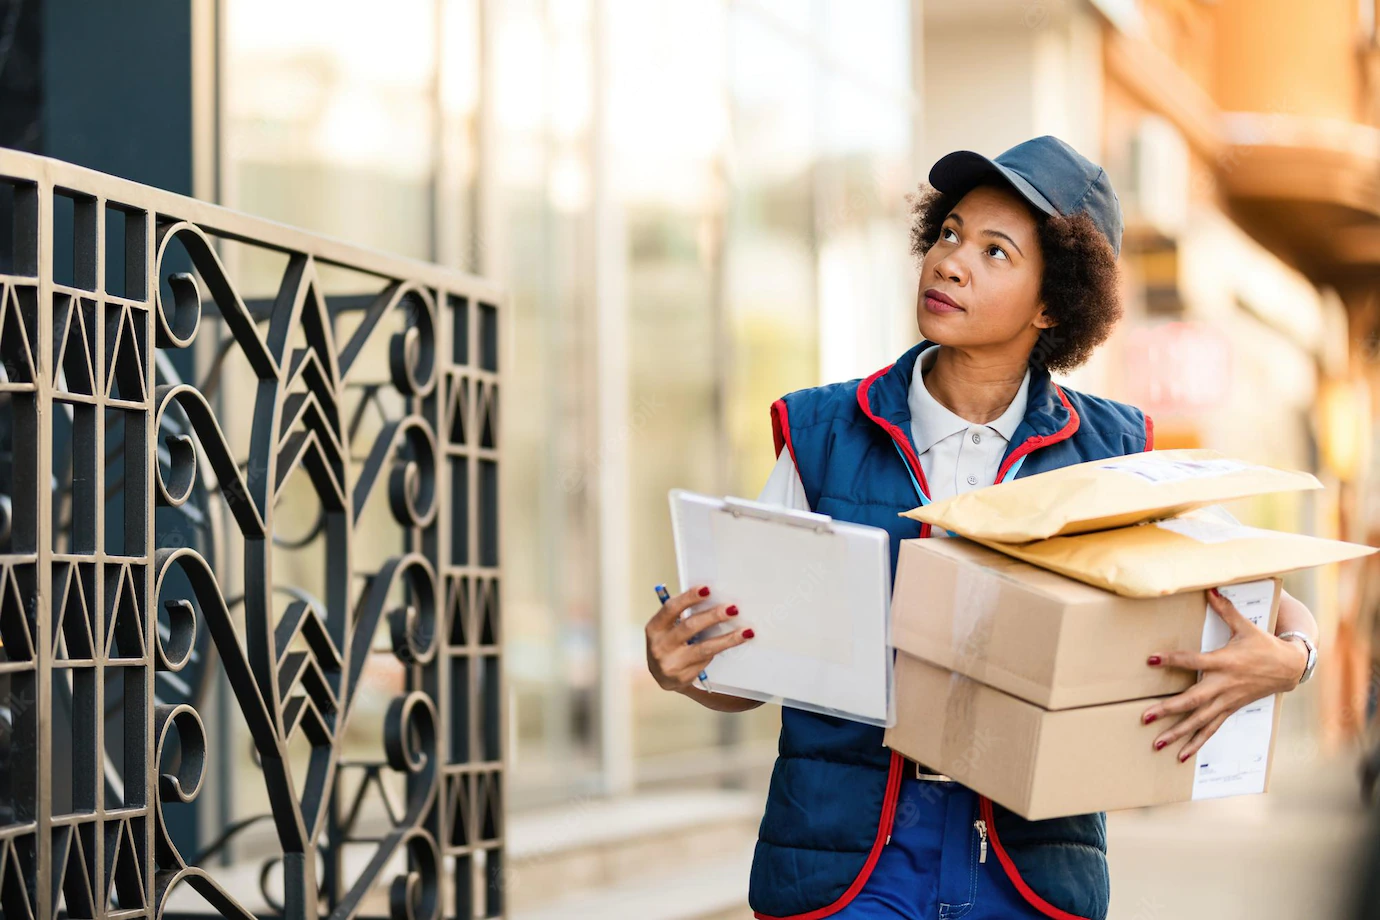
x=1181 y=658
x=673 y=666
x=697 y=623
x=1203 y=661
x=1187 y=701
x=1227 y=611
x=672 y=660
x=677 y=672
x=1193 y=698
x=678 y=666
x=711 y=647
x=670 y=611
x=1201 y=736
x=1198 y=717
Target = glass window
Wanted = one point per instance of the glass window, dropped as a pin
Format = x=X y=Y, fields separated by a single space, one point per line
x=769 y=263
x=330 y=121
x=865 y=277
x=543 y=254
x=667 y=123
x=748 y=222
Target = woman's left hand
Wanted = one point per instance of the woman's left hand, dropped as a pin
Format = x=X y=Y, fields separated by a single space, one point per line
x=1253 y=664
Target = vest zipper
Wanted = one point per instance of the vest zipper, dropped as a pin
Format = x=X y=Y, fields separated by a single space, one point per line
x=981 y=826
x=1009 y=867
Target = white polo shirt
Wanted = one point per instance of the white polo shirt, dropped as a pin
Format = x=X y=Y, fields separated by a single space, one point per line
x=957 y=455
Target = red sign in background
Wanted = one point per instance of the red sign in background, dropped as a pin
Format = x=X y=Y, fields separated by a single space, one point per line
x=1176 y=368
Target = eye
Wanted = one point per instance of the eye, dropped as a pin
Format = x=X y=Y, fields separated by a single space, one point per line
x=946 y=232
x=1000 y=253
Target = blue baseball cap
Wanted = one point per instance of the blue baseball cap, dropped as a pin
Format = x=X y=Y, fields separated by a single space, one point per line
x=1047 y=172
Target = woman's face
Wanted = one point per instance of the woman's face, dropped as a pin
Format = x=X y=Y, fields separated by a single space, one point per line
x=987 y=261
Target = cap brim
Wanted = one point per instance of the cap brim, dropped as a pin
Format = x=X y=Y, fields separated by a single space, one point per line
x=958 y=172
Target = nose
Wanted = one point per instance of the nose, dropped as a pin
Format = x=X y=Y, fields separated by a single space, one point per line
x=951 y=267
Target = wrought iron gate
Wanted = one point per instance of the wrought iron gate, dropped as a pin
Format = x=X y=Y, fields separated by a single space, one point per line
x=128 y=498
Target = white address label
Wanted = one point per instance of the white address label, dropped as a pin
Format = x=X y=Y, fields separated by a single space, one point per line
x=1211 y=530
x=1163 y=469
x=1235 y=759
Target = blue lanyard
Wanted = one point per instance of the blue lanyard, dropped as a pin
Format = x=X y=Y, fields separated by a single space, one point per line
x=925 y=499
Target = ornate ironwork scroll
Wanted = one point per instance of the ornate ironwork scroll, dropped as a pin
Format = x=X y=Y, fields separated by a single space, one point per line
x=131 y=499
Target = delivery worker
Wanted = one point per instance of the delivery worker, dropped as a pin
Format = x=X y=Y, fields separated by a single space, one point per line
x=1018 y=278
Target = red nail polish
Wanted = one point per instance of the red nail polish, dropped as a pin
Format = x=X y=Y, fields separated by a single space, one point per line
x=1153 y=659
x=1215 y=592
x=732 y=610
x=1159 y=745
x=748 y=634
x=1150 y=718
x=1183 y=757
x=704 y=592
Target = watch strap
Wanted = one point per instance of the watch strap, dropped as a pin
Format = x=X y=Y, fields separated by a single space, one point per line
x=1312 y=653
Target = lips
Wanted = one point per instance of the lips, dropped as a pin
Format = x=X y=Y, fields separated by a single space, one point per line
x=938 y=302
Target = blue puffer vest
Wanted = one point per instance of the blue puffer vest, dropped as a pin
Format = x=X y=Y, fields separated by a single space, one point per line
x=834 y=787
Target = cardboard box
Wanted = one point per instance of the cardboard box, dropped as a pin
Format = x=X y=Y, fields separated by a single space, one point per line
x=1038 y=635
x=1046 y=764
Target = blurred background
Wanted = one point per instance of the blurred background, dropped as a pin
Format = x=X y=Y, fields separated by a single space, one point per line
x=697 y=206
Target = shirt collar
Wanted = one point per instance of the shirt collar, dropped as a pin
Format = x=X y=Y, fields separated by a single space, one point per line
x=883 y=399
x=932 y=422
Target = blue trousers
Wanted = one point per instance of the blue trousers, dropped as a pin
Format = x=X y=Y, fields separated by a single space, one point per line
x=933 y=868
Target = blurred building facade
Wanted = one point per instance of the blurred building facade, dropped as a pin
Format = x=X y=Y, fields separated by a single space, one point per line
x=1245 y=137
x=698 y=206
x=1241 y=138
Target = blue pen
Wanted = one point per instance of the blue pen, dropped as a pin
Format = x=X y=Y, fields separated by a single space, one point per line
x=663 y=595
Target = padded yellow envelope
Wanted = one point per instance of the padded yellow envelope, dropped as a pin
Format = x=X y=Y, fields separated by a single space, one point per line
x=1102 y=494
x=1193 y=551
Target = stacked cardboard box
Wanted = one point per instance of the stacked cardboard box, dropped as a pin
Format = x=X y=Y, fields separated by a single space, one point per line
x=1028 y=685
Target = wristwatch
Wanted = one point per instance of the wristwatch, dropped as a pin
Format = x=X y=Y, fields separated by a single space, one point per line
x=1312 y=652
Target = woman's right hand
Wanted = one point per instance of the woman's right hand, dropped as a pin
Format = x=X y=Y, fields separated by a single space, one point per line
x=673 y=661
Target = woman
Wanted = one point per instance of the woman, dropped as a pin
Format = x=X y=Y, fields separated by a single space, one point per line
x=1017 y=261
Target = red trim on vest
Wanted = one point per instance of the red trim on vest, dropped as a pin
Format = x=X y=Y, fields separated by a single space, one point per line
x=1036 y=441
x=1149 y=431
x=1035 y=901
x=781 y=430
x=896 y=435
x=893 y=792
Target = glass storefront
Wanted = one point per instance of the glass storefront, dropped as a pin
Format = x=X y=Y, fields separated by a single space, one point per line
x=695 y=207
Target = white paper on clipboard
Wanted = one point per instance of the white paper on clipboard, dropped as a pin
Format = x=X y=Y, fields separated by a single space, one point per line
x=816 y=593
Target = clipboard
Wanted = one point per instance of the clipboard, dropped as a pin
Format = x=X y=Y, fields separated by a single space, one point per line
x=815 y=591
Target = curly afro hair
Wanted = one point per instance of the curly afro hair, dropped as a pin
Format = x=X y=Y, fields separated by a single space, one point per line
x=1079 y=287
